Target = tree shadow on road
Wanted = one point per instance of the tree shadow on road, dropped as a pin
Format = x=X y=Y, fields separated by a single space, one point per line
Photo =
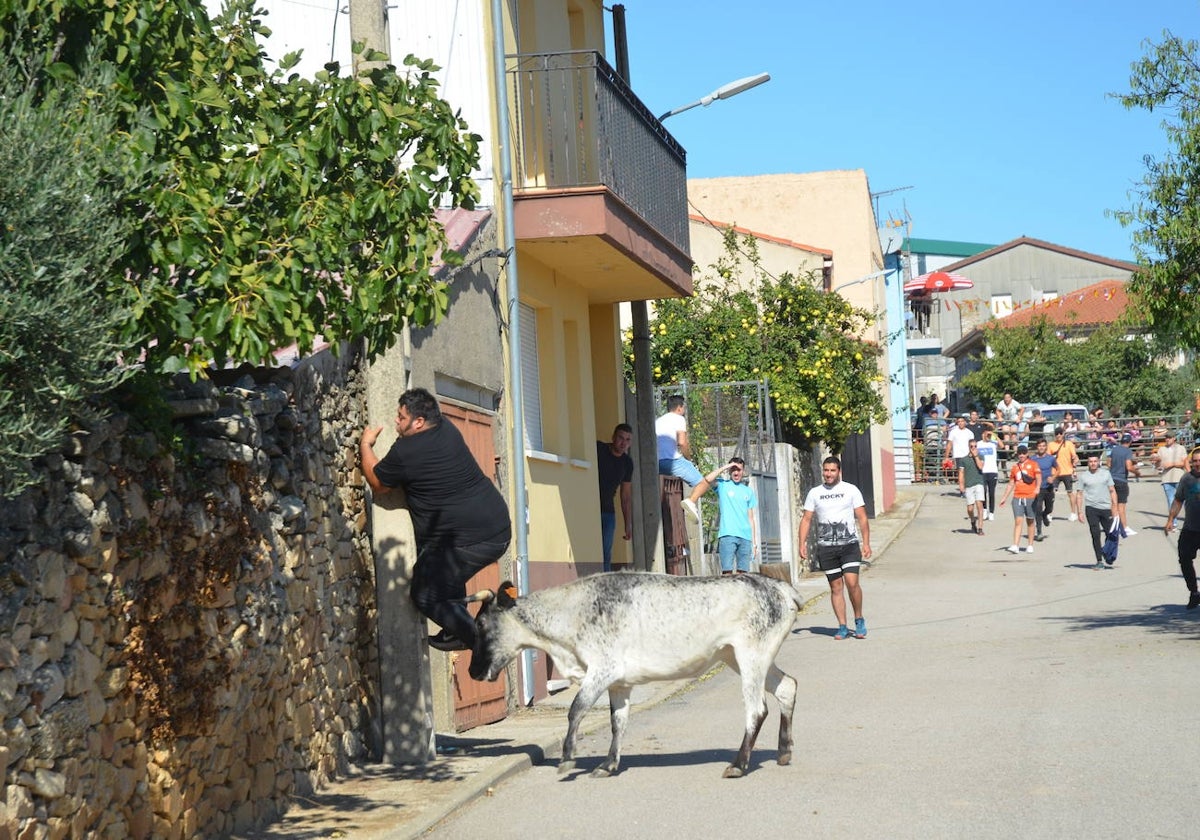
x=1173 y=619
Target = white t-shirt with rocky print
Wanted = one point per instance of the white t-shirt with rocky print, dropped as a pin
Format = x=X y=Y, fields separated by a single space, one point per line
x=833 y=509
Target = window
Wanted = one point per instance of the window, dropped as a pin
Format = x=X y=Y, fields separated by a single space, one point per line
x=531 y=386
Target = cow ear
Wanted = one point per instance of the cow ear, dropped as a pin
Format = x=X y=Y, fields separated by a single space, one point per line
x=506 y=595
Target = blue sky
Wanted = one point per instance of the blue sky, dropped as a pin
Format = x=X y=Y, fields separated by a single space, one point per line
x=996 y=115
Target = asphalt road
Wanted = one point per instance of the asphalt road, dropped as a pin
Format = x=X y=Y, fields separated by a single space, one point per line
x=996 y=696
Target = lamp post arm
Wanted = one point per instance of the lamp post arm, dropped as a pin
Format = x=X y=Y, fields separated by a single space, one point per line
x=723 y=92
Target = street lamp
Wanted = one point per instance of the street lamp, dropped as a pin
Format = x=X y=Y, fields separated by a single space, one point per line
x=723 y=92
x=861 y=280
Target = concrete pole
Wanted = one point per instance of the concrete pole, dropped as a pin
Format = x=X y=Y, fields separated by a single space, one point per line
x=648 y=494
x=369 y=24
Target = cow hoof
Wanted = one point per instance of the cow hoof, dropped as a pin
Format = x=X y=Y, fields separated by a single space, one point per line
x=733 y=772
x=785 y=758
x=602 y=772
x=565 y=767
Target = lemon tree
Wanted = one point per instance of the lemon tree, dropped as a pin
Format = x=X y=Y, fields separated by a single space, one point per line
x=744 y=324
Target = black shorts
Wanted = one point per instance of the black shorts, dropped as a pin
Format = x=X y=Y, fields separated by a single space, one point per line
x=1122 y=488
x=1067 y=481
x=837 y=560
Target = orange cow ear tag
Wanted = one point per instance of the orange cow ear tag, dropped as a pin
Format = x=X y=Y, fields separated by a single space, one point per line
x=511 y=592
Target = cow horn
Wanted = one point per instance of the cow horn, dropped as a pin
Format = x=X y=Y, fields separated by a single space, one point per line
x=482 y=595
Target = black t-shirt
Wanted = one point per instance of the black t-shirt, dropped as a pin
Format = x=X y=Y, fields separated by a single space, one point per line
x=449 y=497
x=614 y=471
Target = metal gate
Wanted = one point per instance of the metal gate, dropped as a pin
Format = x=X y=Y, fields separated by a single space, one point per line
x=736 y=418
x=477 y=703
x=856 y=467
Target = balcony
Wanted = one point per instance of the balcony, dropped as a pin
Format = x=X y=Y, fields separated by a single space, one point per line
x=600 y=187
x=924 y=327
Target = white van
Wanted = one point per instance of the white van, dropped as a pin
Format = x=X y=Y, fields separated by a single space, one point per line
x=1053 y=414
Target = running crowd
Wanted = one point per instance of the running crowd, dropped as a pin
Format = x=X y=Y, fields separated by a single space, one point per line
x=1097 y=495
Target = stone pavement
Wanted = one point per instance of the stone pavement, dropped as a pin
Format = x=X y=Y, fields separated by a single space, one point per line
x=384 y=802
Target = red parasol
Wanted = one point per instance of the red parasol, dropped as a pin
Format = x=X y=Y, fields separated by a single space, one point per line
x=936 y=281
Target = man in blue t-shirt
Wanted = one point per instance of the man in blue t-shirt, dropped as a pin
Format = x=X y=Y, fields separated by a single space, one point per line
x=1122 y=465
x=737 y=533
x=1043 y=505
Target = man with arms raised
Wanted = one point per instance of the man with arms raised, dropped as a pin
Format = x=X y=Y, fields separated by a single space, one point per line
x=459 y=517
x=837 y=506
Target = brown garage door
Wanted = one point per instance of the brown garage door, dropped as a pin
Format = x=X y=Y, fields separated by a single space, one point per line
x=477 y=703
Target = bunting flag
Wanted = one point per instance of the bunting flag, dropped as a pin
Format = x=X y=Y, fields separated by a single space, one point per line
x=984 y=304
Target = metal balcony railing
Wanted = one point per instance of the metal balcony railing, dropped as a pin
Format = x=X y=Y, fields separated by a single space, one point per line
x=576 y=123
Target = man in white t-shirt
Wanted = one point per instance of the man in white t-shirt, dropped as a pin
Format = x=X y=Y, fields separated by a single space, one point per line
x=959 y=438
x=674 y=450
x=837 y=507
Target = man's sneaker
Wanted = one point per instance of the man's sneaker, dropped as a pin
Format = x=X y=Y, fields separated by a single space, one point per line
x=1099 y=567
x=446 y=641
x=1072 y=518
x=691 y=508
x=843 y=632
x=860 y=628
x=1193 y=600
x=1039 y=537
x=1014 y=549
x=1129 y=532
x=1028 y=549
x=990 y=515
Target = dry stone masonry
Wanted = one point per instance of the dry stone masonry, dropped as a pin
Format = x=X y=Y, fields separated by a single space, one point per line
x=187 y=626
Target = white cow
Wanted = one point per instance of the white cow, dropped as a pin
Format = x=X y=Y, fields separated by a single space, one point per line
x=617 y=630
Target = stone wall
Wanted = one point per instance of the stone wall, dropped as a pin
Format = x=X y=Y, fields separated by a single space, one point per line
x=187 y=633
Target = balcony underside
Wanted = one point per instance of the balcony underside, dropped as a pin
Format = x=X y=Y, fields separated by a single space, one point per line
x=924 y=346
x=591 y=236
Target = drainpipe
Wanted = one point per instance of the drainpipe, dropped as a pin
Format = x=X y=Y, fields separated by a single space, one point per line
x=516 y=391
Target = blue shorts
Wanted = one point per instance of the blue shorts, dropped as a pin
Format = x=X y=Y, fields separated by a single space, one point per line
x=735 y=548
x=680 y=468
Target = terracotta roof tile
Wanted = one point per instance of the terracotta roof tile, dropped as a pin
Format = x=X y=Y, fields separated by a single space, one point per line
x=1095 y=305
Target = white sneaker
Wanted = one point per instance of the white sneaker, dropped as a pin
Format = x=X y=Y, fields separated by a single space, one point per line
x=691 y=508
x=1072 y=518
x=1129 y=532
x=1028 y=549
x=1014 y=549
x=989 y=515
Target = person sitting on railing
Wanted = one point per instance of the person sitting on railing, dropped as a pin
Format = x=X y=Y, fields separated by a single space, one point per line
x=1160 y=431
x=1072 y=429
x=1110 y=433
x=1036 y=428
